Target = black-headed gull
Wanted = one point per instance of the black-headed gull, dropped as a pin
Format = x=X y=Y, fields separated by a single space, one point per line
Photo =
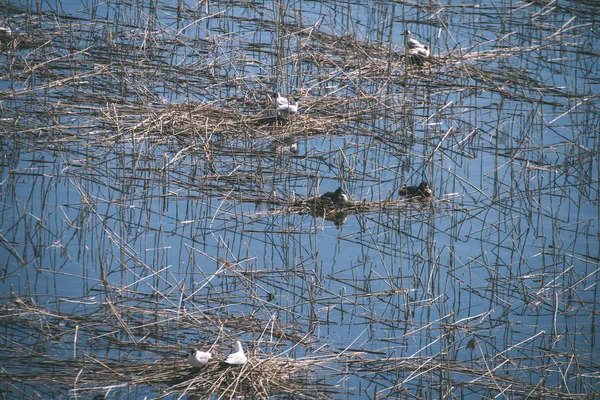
x=5 y=31
x=290 y=108
x=419 y=51
x=197 y=358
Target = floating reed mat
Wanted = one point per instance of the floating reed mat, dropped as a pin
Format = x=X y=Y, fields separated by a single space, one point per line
x=478 y=379
x=316 y=207
x=193 y=120
x=259 y=378
x=160 y=366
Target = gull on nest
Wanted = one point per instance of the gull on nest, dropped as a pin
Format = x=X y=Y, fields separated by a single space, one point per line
x=415 y=49
x=419 y=51
x=197 y=358
x=409 y=42
x=290 y=108
x=237 y=357
x=279 y=101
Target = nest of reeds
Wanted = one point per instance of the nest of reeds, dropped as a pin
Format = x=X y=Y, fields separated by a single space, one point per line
x=257 y=120
x=338 y=213
x=10 y=41
x=256 y=379
x=259 y=378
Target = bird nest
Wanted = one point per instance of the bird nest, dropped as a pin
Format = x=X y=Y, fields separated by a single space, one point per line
x=255 y=120
x=259 y=378
x=256 y=379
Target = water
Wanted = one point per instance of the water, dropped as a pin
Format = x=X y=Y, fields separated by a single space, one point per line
x=129 y=234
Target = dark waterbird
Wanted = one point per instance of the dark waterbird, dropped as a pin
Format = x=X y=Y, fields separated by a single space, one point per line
x=423 y=190
x=337 y=197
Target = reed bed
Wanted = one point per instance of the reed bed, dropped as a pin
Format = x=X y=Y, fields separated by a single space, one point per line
x=153 y=200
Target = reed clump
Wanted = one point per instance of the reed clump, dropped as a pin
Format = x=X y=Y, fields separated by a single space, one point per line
x=190 y=121
x=151 y=197
x=259 y=378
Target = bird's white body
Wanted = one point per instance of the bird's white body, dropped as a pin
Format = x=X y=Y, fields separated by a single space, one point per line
x=237 y=357
x=197 y=358
x=288 y=108
x=419 y=51
x=413 y=47
x=5 y=31
x=280 y=101
x=411 y=43
x=343 y=198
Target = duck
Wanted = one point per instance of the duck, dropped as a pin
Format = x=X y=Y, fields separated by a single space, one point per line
x=423 y=190
x=337 y=197
x=279 y=101
x=237 y=357
x=289 y=108
x=197 y=358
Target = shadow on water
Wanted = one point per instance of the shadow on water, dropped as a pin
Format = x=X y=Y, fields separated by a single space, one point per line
x=153 y=200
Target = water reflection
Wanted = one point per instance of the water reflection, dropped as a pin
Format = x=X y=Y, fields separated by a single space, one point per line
x=287 y=145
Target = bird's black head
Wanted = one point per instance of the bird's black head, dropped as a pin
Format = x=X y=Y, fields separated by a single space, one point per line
x=424 y=185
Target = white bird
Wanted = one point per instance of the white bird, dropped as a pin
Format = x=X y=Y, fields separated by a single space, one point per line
x=294 y=148
x=5 y=32
x=409 y=42
x=197 y=358
x=415 y=50
x=290 y=108
x=419 y=51
x=280 y=101
x=237 y=357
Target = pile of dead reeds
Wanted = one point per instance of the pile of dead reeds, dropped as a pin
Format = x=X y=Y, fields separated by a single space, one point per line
x=263 y=376
x=259 y=378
